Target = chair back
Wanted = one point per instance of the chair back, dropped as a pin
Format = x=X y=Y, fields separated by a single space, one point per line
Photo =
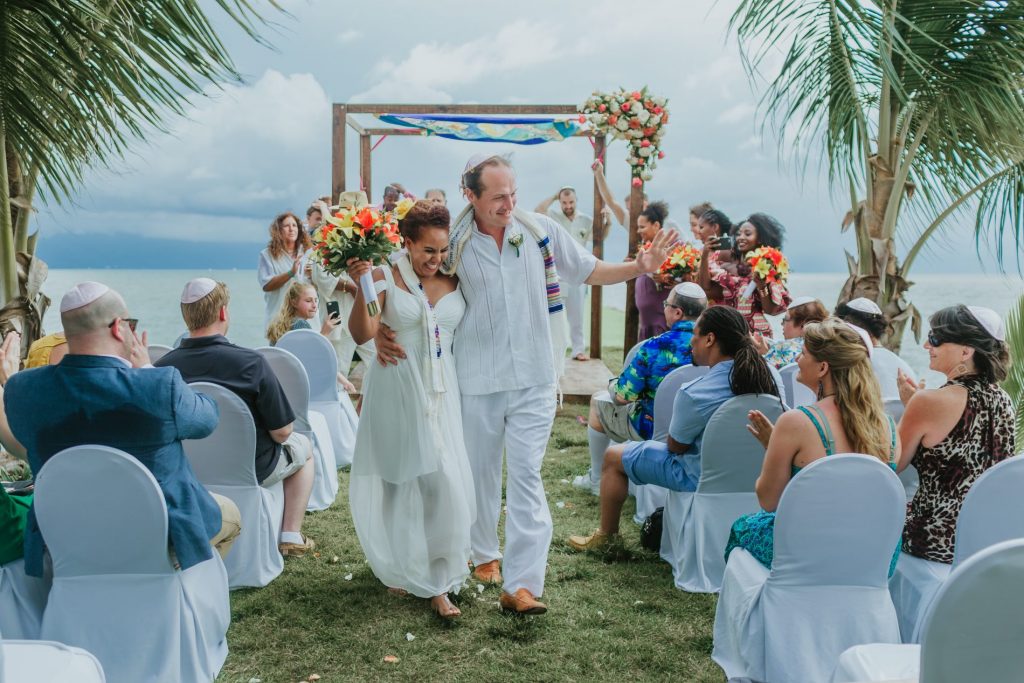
x=631 y=354
x=665 y=396
x=294 y=381
x=796 y=394
x=101 y=512
x=228 y=456
x=894 y=408
x=993 y=509
x=730 y=456
x=317 y=355
x=157 y=351
x=974 y=628
x=838 y=523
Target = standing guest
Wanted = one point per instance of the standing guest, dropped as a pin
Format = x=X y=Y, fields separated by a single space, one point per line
x=848 y=418
x=298 y=308
x=282 y=454
x=653 y=289
x=620 y=211
x=581 y=227
x=954 y=433
x=729 y=280
x=392 y=194
x=97 y=395
x=436 y=195
x=711 y=227
x=696 y=211
x=411 y=490
x=282 y=261
x=803 y=310
x=48 y=350
x=314 y=218
x=722 y=343
x=509 y=263
x=628 y=413
x=865 y=314
x=13 y=508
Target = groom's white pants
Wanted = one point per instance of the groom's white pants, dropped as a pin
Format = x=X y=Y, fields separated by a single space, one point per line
x=518 y=424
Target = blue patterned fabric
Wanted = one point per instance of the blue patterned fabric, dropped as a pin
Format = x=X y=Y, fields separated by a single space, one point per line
x=518 y=131
x=639 y=381
x=783 y=352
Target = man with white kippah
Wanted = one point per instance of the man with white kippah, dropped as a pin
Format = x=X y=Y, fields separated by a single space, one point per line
x=508 y=351
x=581 y=227
x=866 y=315
x=98 y=395
x=626 y=411
x=206 y=355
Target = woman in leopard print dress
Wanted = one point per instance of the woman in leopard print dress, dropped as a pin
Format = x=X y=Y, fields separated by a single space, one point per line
x=954 y=433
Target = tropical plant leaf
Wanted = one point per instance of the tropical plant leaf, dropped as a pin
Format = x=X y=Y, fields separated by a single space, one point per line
x=1014 y=383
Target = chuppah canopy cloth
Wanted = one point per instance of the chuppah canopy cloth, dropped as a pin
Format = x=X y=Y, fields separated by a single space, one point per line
x=517 y=131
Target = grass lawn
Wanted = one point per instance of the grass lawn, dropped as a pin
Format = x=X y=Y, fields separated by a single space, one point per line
x=614 y=617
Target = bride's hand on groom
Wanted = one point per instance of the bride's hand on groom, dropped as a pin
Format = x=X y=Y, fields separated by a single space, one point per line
x=388 y=351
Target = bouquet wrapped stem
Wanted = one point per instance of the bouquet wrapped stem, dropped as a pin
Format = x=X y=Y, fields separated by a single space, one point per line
x=369 y=293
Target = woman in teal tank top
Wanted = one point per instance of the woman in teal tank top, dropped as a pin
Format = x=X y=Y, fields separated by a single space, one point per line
x=847 y=418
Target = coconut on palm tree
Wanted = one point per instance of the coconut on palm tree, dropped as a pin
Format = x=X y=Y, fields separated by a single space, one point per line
x=917 y=108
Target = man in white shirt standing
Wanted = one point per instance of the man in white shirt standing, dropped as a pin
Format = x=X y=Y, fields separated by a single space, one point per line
x=506 y=261
x=581 y=227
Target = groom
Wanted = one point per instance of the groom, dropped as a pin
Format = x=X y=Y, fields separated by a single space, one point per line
x=506 y=260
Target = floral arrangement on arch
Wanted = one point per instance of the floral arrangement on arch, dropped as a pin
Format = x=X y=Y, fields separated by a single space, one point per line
x=635 y=116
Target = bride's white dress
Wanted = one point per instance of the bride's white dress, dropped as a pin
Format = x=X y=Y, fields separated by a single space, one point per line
x=411 y=490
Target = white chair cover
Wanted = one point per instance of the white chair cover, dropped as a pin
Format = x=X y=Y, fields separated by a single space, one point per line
x=837 y=524
x=972 y=633
x=695 y=527
x=157 y=351
x=631 y=354
x=317 y=355
x=22 y=601
x=992 y=512
x=796 y=394
x=294 y=381
x=43 y=661
x=225 y=464
x=115 y=592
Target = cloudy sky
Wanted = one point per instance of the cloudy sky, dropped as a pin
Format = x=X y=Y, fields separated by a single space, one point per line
x=204 y=194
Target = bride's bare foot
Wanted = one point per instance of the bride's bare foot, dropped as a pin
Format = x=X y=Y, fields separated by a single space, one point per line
x=400 y=592
x=444 y=607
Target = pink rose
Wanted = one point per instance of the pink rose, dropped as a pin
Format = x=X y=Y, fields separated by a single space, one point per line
x=624 y=106
x=637 y=95
x=637 y=182
x=645 y=143
x=661 y=155
x=602 y=107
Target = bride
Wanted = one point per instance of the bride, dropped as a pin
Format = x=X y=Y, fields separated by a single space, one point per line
x=411 y=489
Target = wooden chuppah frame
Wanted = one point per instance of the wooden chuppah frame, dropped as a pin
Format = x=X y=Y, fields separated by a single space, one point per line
x=342 y=118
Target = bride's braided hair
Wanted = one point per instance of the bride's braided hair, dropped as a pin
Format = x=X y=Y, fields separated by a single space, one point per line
x=750 y=373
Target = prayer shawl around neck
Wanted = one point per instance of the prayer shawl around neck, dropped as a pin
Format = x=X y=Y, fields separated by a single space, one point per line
x=462 y=229
x=431 y=330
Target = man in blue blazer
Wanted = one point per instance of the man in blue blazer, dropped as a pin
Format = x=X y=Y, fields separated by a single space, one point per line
x=106 y=392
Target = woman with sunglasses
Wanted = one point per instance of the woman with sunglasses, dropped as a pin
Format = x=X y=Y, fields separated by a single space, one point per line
x=954 y=433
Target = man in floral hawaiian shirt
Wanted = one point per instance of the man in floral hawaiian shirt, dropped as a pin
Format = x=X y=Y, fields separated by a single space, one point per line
x=626 y=411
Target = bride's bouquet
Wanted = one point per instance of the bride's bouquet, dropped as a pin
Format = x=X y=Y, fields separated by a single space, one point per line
x=361 y=232
x=684 y=260
x=769 y=264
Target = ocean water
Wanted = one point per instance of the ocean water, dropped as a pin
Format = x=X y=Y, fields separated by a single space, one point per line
x=153 y=295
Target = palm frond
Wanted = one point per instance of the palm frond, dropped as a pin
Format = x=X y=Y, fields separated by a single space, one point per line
x=1014 y=383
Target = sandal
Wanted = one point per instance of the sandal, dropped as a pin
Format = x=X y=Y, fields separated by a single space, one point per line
x=444 y=608
x=581 y=356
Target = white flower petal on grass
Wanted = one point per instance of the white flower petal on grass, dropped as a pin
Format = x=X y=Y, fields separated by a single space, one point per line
x=348 y=577
x=563 y=481
x=560 y=504
x=638 y=602
x=410 y=637
x=479 y=588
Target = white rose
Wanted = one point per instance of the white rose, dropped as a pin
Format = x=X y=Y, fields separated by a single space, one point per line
x=633 y=161
x=644 y=116
x=655 y=120
x=658 y=101
x=647 y=176
x=613 y=106
x=622 y=124
x=645 y=151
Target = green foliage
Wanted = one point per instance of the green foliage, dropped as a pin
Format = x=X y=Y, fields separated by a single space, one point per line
x=1014 y=383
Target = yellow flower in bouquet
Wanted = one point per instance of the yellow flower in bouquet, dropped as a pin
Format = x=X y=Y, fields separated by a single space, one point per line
x=769 y=264
x=684 y=260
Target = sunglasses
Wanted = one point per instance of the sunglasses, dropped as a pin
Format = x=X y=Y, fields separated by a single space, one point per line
x=934 y=340
x=132 y=322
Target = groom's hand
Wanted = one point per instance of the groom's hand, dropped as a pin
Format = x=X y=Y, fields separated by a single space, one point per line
x=388 y=351
x=649 y=261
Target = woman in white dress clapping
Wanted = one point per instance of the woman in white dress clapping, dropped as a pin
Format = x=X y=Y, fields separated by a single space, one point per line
x=411 y=489
x=281 y=261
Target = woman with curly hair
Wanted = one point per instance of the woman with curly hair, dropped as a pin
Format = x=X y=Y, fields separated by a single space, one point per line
x=282 y=260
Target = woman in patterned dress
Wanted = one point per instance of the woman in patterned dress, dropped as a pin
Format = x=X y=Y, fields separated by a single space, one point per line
x=954 y=433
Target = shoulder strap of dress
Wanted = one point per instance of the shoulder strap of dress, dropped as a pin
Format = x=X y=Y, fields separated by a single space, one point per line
x=824 y=431
x=892 y=439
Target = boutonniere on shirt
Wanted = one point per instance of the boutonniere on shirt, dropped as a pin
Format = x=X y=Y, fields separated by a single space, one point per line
x=516 y=240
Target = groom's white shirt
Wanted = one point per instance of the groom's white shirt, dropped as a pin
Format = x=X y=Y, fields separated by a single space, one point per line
x=506 y=302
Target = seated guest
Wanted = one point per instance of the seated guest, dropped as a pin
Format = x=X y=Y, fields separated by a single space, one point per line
x=47 y=350
x=954 y=433
x=629 y=414
x=803 y=310
x=299 y=307
x=847 y=418
x=96 y=395
x=721 y=341
x=865 y=314
x=207 y=356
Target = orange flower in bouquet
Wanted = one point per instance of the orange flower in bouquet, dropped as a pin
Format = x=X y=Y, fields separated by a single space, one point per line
x=683 y=261
x=769 y=264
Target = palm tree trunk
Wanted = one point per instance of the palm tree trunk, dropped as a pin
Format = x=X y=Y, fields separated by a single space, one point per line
x=8 y=263
x=28 y=190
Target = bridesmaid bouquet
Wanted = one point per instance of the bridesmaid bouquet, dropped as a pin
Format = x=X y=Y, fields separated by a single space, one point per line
x=769 y=264
x=682 y=262
x=361 y=232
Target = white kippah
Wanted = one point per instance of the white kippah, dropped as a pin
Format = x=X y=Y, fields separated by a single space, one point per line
x=864 y=337
x=990 y=320
x=690 y=290
x=864 y=306
x=197 y=289
x=82 y=294
x=800 y=301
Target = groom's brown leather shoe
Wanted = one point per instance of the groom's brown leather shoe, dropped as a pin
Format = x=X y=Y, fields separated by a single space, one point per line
x=522 y=602
x=488 y=572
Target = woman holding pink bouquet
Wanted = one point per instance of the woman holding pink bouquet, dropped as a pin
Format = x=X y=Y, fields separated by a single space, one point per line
x=411 y=489
x=751 y=275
